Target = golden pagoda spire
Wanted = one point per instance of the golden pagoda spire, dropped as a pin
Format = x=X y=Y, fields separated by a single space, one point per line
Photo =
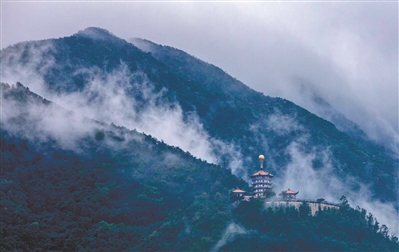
x=261 y=158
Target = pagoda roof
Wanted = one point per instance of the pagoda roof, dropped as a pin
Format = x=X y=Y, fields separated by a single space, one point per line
x=262 y=173
x=238 y=191
x=289 y=191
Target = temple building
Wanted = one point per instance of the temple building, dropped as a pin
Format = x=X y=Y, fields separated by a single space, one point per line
x=289 y=194
x=237 y=194
x=261 y=180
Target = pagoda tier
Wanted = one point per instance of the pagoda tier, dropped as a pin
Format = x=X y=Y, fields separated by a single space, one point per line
x=261 y=181
x=262 y=173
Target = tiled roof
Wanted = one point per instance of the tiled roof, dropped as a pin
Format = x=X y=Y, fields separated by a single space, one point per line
x=289 y=191
x=262 y=173
x=238 y=191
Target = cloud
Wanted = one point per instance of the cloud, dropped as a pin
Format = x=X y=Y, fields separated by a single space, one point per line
x=282 y=124
x=345 y=53
x=108 y=97
x=323 y=182
x=39 y=121
x=121 y=97
x=228 y=235
x=299 y=174
x=26 y=63
x=229 y=156
x=277 y=124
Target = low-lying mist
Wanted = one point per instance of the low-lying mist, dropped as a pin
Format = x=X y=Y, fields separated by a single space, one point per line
x=324 y=182
x=109 y=97
x=38 y=120
x=228 y=235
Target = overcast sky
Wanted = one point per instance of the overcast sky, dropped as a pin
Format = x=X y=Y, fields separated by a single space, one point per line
x=345 y=52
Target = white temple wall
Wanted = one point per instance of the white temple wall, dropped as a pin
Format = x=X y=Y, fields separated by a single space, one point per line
x=314 y=206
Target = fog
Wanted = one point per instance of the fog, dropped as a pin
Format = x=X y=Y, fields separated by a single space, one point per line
x=228 y=235
x=40 y=122
x=344 y=52
x=109 y=98
x=324 y=182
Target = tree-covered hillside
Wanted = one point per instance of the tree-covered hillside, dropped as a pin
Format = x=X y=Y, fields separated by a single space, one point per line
x=228 y=110
x=120 y=190
x=72 y=180
x=286 y=229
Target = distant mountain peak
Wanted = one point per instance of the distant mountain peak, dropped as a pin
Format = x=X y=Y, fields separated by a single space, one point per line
x=97 y=33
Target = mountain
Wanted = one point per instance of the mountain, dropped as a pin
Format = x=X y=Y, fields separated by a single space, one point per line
x=123 y=190
x=66 y=160
x=342 y=122
x=117 y=188
x=94 y=66
x=351 y=152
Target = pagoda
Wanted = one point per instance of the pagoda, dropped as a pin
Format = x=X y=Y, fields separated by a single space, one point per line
x=261 y=180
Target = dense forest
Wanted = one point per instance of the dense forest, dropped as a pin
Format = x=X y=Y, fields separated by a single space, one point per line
x=228 y=110
x=76 y=178
x=352 y=153
x=287 y=229
x=125 y=190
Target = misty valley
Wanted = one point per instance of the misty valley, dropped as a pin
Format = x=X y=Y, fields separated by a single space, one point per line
x=115 y=145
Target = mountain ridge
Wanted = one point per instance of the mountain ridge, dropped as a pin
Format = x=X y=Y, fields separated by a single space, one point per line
x=239 y=117
x=118 y=195
x=71 y=183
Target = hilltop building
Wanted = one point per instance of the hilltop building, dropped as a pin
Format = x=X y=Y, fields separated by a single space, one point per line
x=261 y=180
x=237 y=192
x=314 y=205
x=289 y=194
x=262 y=188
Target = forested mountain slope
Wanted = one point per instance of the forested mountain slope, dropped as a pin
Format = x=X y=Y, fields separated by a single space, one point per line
x=279 y=123
x=117 y=189
x=196 y=106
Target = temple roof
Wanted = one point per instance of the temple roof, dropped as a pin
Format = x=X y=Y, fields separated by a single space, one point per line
x=238 y=191
x=262 y=173
x=289 y=191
